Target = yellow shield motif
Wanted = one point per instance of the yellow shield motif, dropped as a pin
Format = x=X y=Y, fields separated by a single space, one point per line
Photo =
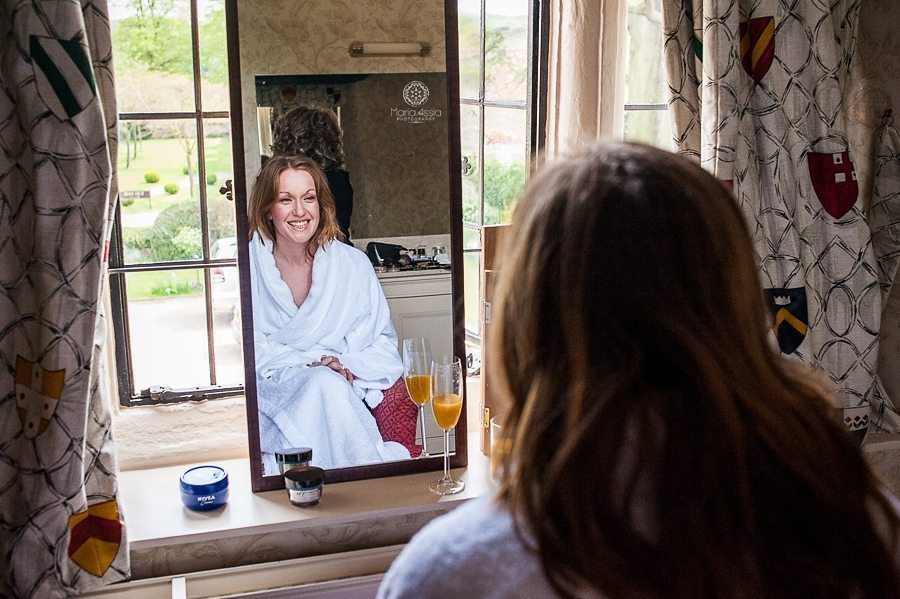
x=94 y=537
x=37 y=392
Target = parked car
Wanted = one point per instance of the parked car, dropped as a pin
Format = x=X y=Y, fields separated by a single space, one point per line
x=226 y=284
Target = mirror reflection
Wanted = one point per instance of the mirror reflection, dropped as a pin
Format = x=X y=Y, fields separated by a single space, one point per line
x=329 y=375
x=350 y=251
x=326 y=350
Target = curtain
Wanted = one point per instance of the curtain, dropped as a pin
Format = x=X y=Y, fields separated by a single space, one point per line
x=884 y=221
x=585 y=74
x=757 y=89
x=61 y=526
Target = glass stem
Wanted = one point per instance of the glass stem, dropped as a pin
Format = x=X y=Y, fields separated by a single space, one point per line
x=446 y=454
x=422 y=426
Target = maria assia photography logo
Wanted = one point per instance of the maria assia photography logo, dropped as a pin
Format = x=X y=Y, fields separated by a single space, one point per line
x=415 y=94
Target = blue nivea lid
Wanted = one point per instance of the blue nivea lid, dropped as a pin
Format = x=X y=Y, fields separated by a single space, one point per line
x=204 y=488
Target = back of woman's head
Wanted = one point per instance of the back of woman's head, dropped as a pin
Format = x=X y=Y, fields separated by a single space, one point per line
x=660 y=446
x=311 y=131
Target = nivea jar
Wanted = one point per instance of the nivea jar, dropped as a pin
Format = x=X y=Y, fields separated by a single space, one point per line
x=204 y=487
x=304 y=485
x=293 y=458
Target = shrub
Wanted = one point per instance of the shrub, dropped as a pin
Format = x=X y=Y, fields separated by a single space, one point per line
x=211 y=178
x=171 y=188
x=151 y=177
x=126 y=202
x=184 y=170
x=175 y=235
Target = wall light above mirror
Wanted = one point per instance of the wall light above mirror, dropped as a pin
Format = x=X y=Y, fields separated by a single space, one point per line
x=389 y=49
x=414 y=171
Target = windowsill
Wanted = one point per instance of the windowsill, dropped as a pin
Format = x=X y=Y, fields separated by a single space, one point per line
x=166 y=538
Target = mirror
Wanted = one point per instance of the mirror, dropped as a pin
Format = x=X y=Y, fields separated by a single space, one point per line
x=400 y=122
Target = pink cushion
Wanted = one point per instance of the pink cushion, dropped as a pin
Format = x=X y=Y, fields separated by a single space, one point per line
x=397 y=416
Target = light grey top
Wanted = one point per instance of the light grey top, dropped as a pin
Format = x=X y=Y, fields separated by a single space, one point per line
x=473 y=551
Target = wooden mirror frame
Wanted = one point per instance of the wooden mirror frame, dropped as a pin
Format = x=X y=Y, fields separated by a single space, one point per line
x=460 y=456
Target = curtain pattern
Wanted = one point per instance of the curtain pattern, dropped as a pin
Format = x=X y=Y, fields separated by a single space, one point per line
x=61 y=528
x=757 y=91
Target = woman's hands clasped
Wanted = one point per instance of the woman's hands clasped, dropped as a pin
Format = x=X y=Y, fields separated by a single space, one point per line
x=333 y=363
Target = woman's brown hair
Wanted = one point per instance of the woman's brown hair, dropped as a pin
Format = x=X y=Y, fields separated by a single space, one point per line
x=659 y=446
x=311 y=131
x=265 y=192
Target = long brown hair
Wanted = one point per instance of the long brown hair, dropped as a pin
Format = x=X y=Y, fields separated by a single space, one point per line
x=265 y=192
x=659 y=446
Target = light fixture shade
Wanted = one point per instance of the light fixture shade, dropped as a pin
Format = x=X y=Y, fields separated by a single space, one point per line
x=359 y=49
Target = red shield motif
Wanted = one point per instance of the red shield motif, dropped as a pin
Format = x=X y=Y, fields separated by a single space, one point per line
x=834 y=181
x=94 y=537
x=757 y=46
x=37 y=393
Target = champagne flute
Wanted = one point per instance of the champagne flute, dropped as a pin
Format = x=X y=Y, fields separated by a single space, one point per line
x=417 y=374
x=447 y=402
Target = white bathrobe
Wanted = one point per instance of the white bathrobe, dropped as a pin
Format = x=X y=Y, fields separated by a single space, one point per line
x=345 y=315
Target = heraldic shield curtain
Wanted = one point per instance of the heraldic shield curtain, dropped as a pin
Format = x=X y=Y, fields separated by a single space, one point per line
x=756 y=95
x=61 y=530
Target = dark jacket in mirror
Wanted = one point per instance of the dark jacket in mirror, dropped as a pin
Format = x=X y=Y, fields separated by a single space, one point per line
x=342 y=190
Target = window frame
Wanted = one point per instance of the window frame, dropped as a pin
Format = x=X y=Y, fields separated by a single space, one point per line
x=534 y=105
x=118 y=269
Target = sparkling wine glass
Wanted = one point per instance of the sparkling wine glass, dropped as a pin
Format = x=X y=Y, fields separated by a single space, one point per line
x=447 y=402
x=417 y=374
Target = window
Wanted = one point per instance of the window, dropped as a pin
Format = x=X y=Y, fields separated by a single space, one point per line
x=646 y=111
x=173 y=275
x=499 y=56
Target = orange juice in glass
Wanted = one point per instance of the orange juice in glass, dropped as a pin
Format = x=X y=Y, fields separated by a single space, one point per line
x=417 y=374
x=447 y=408
x=419 y=387
x=447 y=403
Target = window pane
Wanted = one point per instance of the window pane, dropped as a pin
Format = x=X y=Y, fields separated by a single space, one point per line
x=160 y=209
x=213 y=55
x=644 y=73
x=167 y=321
x=227 y=324
x=472 y=286
x=471 y=238
x=506 y=50
x=650 y=126
x=469 y=48
x=152 y=56
x=469 y=136
x=504 y=162
x=217 y=146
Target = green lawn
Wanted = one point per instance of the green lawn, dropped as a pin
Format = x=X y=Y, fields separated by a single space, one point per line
x=166 y=157
x=157 y=284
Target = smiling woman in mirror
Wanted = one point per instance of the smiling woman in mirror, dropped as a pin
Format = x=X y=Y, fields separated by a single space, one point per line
x=326 y=349
x=315 y=132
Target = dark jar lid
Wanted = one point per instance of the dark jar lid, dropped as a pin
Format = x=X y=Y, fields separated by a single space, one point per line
x=204 y=480
x=294 y=454
x=305 y=476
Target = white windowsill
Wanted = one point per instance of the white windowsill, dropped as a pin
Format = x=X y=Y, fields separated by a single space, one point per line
x=166 y=538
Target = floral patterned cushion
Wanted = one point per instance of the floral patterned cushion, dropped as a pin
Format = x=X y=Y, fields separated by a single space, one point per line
x=397 y=417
